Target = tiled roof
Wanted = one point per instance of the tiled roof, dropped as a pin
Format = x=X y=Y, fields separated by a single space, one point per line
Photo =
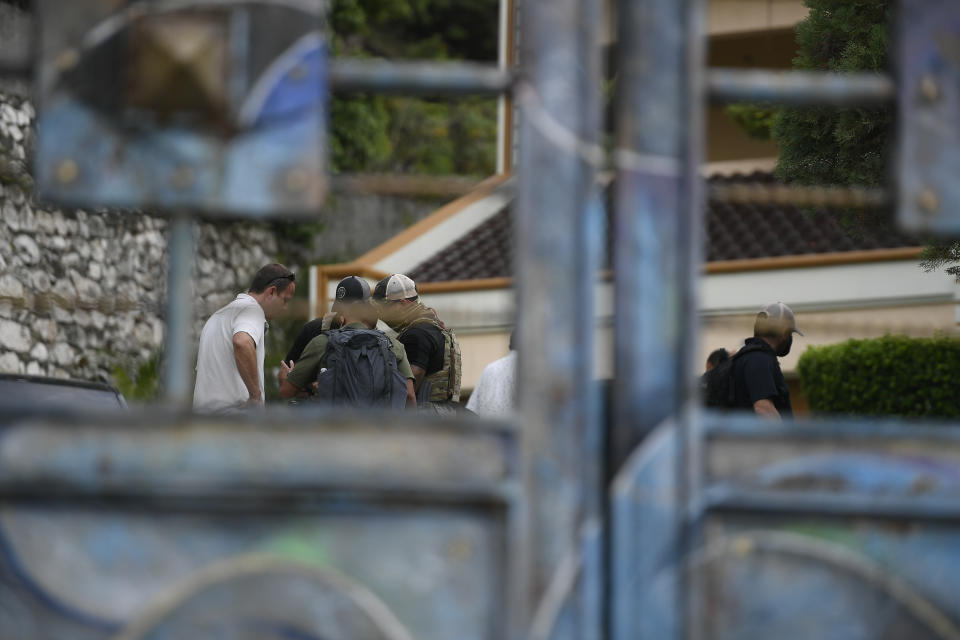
x=734 y=232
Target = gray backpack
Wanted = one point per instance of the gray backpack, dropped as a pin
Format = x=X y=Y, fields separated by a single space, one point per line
x=359 y=369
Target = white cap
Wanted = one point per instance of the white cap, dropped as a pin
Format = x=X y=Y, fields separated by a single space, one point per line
x=777 y=315
x=396 y=287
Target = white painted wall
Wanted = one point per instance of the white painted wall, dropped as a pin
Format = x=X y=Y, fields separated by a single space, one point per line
x=832 y=303
x=853 y=286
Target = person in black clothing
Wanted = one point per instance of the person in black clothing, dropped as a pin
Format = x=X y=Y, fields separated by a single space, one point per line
x=758 y=381
x=331 y=320
x=431 y=347
x=716 y=357
x=311 y=330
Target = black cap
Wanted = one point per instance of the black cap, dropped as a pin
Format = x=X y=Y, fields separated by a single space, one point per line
x=353 y=289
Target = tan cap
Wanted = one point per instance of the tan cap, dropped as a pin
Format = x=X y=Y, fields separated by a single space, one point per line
x=395 y=287
x=776 y=317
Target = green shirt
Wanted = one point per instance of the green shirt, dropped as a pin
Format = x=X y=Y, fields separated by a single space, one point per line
x=307 y=368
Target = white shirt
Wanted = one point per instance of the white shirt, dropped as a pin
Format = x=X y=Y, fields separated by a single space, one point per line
x=496 y=391
x=219 y=386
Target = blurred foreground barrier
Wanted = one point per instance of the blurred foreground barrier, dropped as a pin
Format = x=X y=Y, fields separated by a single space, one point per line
x=191 y=528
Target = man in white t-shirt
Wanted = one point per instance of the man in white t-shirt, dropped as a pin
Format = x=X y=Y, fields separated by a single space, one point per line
x=230 y=359
x=495 y=395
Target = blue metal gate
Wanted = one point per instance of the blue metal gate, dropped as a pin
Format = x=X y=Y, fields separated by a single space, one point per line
x=725 y=527
x=163 y=524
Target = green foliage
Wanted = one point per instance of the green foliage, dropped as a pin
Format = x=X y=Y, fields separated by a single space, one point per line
x=756 y=120
x=420 y=135
x=893 y=375
x=846 y=146
x=359 y=134
x=939 y=255
x=283 y=331
x=144 y=385
x=838 y=146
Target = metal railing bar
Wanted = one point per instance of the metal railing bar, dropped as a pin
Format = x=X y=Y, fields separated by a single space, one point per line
x=179 y=340
x=315 y=496
x=725 y=498
x=800 y=87
x=375 y=76
x=382 y=76
x=750 y=429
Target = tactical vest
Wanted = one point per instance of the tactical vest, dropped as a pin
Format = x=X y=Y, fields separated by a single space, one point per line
x=445 y=383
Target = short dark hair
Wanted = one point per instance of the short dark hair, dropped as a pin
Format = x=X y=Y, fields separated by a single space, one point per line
x=717 y=356
x=380 y=290
x=272 y=275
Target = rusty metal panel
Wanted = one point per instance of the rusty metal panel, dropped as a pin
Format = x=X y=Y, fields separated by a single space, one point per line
x=928 y=163
x=834 y=530
x=202 y=104
x=159 y=528
x=558 y=225
x=768 y=576
x=645 y=524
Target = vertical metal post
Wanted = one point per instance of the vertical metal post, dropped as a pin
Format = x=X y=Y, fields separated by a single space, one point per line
x=558 y=223
x=178 y=340
x=657 y=217
x=657 y=244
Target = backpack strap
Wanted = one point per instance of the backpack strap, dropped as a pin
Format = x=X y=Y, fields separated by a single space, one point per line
x=333 y=346
x=389 y=359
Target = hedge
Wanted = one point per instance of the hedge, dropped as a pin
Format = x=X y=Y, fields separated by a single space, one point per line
x=893 y=375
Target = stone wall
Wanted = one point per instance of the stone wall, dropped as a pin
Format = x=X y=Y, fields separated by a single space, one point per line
x=356 y=223
x=82 y=292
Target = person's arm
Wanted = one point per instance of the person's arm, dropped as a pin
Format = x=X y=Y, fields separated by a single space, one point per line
x=418 y=347
x=284 y=370
x=411 y=395
x=765 y=409
x=245 y=355
x=758 y=374
x=403 y=366
x=287 y=390
x=298 y=378
x=418 y=375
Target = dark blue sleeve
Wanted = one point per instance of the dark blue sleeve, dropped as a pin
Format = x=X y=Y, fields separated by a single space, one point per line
x=758 y=372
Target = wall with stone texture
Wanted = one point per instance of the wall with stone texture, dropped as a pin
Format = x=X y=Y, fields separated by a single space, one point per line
x=356 y=223
x=82 y=291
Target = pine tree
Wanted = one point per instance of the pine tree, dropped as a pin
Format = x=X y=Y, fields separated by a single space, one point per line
x=829 y=146
x=846 y=146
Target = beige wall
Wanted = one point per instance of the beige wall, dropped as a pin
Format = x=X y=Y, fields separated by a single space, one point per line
x=830 y=327
x=477 y=350
x=729 y=331
x=726 y=140
x=737 y=16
